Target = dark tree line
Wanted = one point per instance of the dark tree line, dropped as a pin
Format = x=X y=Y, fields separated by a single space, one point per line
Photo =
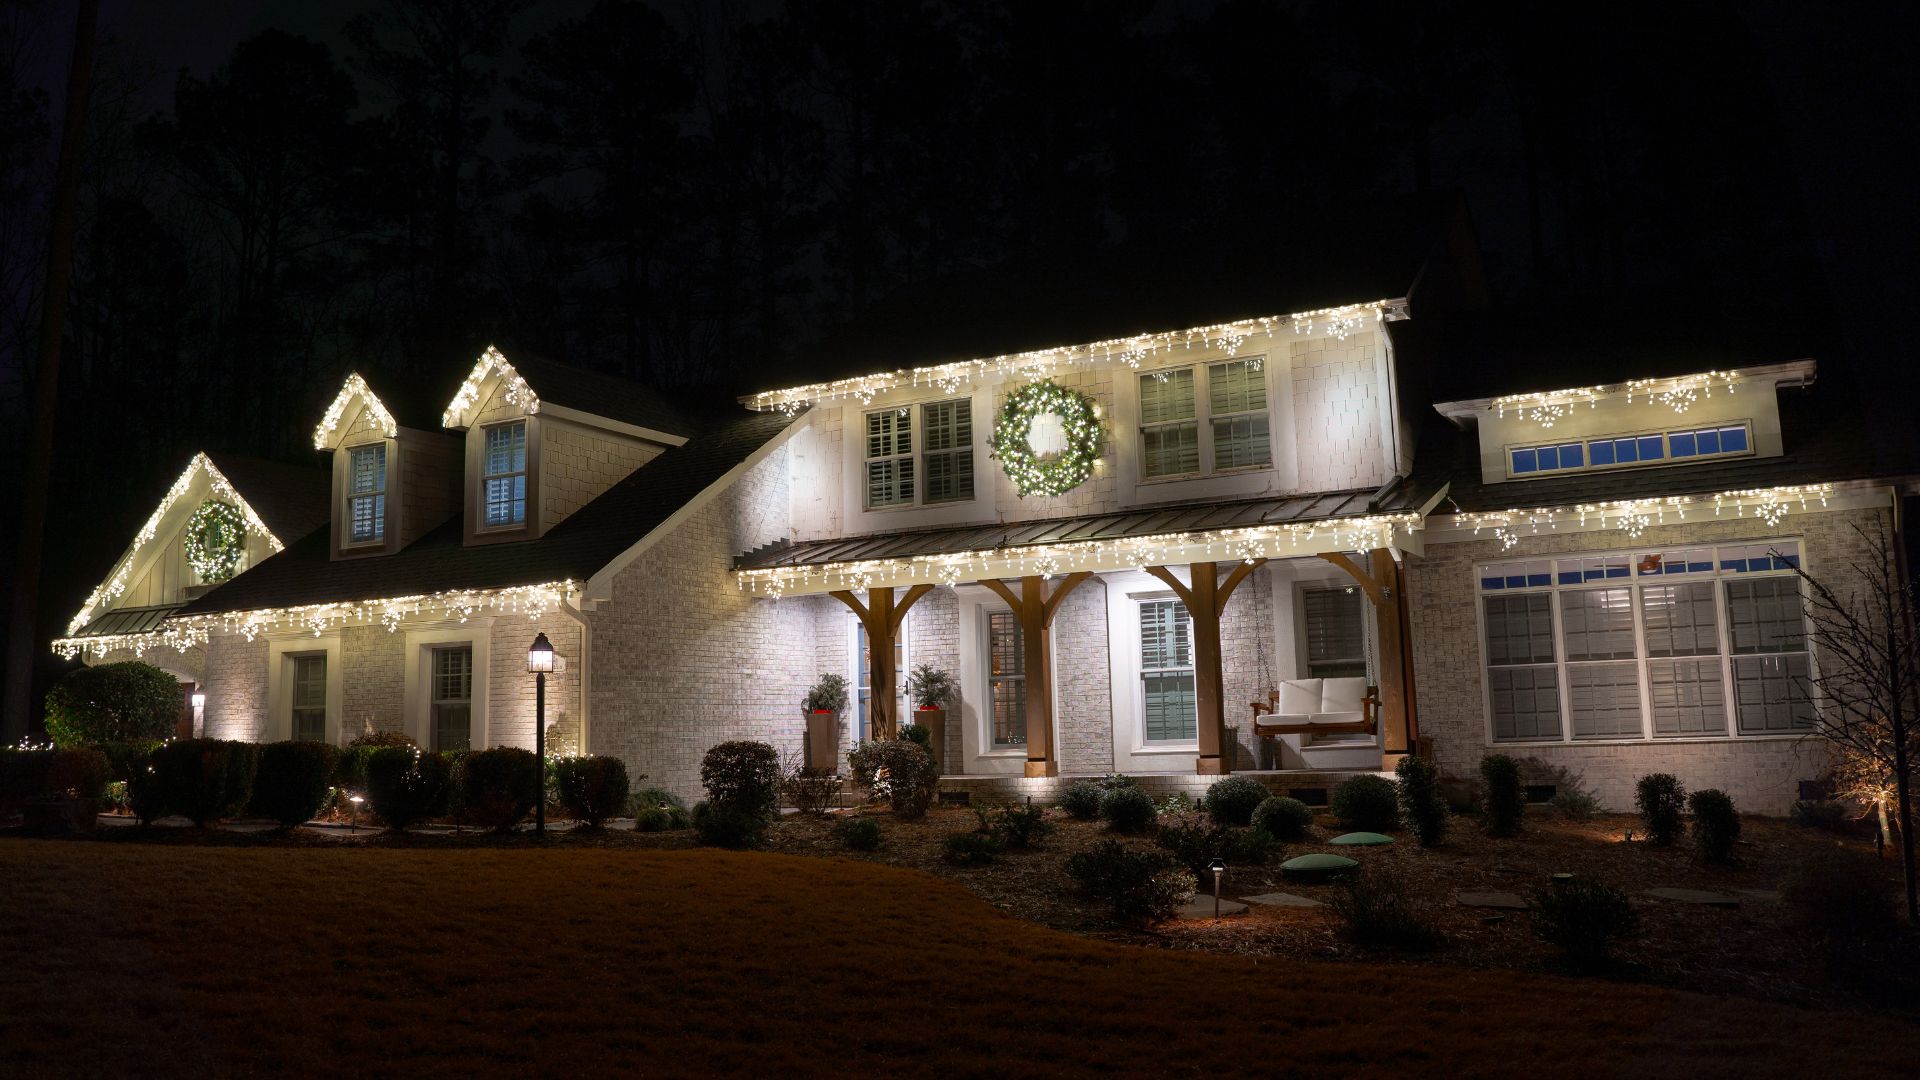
x=694 y=193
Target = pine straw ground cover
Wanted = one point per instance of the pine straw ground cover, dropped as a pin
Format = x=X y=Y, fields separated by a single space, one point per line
x=127 y=959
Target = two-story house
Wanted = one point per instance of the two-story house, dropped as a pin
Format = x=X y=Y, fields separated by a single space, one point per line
x=1247 y=540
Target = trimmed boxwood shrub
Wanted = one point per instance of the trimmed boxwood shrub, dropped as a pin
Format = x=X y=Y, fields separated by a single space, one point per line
x=1195 y=841
x=498 y=787
x=293 y=779
x=1716 y=824
x=1367 y=804
x=1421 y=804
x=1232 y=800
x=726 y=825
x=858 y=833
x=1660 y=798
x=1503 y=800
x=972 y=848
x=205 y=780
x=1283 y=818
x=26 y=775
x=1128 y=809
x=1140 y=887
x=406 y=785
x=592 y=789
x=902 y=772
x=146 y=798
x=1016 y=826
x=742 y=774
x=1583 y=918
x=127 y=757
x=1081 y=800
x=113 y=703
x=351 y=774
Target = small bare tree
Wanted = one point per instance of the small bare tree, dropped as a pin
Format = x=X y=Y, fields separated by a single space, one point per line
x=1867 y=690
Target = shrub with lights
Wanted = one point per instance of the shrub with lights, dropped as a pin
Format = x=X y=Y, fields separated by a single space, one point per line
x=1032 y=472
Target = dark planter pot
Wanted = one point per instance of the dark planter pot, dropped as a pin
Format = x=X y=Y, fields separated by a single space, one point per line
x=61 y=815
x=823 y=740
x=935 y=721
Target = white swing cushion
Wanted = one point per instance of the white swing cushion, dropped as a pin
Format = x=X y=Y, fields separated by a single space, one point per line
x=1299 y=698
x=1320 y=701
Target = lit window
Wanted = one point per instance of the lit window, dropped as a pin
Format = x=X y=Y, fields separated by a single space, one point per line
x=367 y=493
x=1170 y=711
x=1539 y=459
x=1169 y=430
x=889 y=458
x=1708 y=442
x=1237 y=397
x=310 y=698
x=505 y=476
x=1007 y=679
x=1626 y=450
x=453 y=698
x=1522 y=679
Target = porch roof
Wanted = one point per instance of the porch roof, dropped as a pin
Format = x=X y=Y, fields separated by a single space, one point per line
x=1274 y=527
x=128 y=620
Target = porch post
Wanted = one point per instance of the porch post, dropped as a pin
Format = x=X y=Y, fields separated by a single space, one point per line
x=882 y=617
x=1035 y=608
x=1384 y=583
x=1206 y=599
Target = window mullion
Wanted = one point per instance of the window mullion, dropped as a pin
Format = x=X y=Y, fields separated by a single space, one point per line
x=1640 y=660
x=1560 y=666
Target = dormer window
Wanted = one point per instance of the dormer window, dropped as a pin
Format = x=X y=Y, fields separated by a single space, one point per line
x=1616 y=451
x=367 y=494
x=504 y=482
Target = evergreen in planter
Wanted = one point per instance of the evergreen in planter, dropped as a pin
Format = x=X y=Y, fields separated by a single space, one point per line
x=293 y=779
x=592 y=789
x=499 y=786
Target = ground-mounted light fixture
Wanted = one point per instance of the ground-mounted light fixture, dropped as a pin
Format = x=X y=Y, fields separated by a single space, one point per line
x=540 y=661
x=1219 y=868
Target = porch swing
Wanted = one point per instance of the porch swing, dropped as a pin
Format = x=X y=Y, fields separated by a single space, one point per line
x=1335 y=706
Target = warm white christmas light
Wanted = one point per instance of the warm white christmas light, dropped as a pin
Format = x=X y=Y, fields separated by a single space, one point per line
x=1636 y=516
x=492 y=362
x=354 y=387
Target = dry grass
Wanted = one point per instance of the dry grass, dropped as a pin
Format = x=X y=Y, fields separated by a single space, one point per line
x=128 y=959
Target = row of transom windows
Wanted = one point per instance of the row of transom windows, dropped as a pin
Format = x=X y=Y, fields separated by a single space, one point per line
x=1194 y=421
x=1673 y=644
x=1618 y=451
x=503 y=483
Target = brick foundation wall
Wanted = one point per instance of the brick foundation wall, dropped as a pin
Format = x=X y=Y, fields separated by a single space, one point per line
x=1761 y=774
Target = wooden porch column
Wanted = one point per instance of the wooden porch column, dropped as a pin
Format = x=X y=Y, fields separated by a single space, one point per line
x=1035 y=608
x=1384 y=584
x=881 y=615
x=1206 y=598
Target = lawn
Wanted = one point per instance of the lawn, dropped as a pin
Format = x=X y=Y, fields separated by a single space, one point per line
x=130 y=959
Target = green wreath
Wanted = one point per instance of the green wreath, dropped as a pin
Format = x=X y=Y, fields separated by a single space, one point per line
x=1034 y=473
x=216 y=538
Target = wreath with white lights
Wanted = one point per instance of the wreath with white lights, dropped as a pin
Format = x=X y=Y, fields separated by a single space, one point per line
x=1032 y=472
x=216 y=538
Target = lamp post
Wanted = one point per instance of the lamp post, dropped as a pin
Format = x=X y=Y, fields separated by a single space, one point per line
x=540 y=661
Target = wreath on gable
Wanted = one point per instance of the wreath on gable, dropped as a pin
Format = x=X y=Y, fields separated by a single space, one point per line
x=1070 y=420
x=216 y=538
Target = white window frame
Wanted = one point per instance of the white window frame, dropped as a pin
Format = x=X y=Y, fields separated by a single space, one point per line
x=988 y=742
x=916 y=455
x=1141 y=671
x=416 y=703
x=1586 y=442
x=282 y=650
x=434 y=700
x=524 y=472
x=379 y=538
x=1204 y=417
x=1718 y=577
x=297 y=660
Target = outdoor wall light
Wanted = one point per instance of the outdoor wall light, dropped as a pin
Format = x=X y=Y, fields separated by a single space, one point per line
x=199 y=702
x=540 y=656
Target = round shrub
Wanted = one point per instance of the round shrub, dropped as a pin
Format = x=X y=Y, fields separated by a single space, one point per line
x=351 y=773
x=205 y=780
x=1716 y=824
x=406 y=785
x=904 y=774
x=658 y=810
x=1421 y=803
x=80 y=773
x=972 y=848
x=113 y=703
x=498 y=787
x=918 y=734
x=1583 y=918
x=742 y=774
x=1232 y=800
x=1140 y=887
x=1282 y=818
x=858 y=833
x=1128 y=809
x=726 y=825
x=1195 y=842
x=1367 y=804
x=1081 y=800
x=1503 y=800
x=293 y=779
x=592 y=789
x=1660 y=797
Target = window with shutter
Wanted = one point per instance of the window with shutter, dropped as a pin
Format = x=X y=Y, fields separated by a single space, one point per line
x=1335 y=632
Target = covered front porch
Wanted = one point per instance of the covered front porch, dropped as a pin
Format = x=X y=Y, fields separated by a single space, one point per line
x=1188 y=642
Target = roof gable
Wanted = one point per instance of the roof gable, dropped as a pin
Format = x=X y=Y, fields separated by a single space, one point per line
x=529 y=382
x=342 y=414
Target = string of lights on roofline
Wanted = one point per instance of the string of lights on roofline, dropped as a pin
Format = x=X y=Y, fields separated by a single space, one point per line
x=1635 y=516
x=1048 y=560
x=1337 y=323
x=459 y=411
x=1678 y=392
x=355 y=386
x=187 y=632
x=118 y=581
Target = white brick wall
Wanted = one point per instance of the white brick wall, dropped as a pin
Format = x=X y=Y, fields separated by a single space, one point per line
x=236 y=688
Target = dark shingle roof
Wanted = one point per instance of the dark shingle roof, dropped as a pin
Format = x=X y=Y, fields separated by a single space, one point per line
x=293 y=500
x=438 y=562
x=615 y=398
x=1151 y=521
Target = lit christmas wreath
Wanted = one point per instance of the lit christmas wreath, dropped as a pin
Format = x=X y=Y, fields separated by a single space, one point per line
x=216 y=538
x=1047 y=438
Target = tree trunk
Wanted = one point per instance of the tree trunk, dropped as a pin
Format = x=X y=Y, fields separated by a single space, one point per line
x=22 y=628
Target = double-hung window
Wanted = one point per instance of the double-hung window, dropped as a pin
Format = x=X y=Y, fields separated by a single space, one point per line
x=1179 y=439
x=1699 y=643
x=1007 y=679
x=504 y=475
x=1169 y=708
x=452 y=698
x=310 y=698
x=367 y=494
x=930 y=465
x=1335 y=632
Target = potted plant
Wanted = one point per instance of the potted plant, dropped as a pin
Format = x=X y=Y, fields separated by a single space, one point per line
x=826 y=700
x=931 y=688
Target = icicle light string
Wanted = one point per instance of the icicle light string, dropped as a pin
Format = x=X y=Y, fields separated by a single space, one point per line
x=1636 y=516
x=1679 y=393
